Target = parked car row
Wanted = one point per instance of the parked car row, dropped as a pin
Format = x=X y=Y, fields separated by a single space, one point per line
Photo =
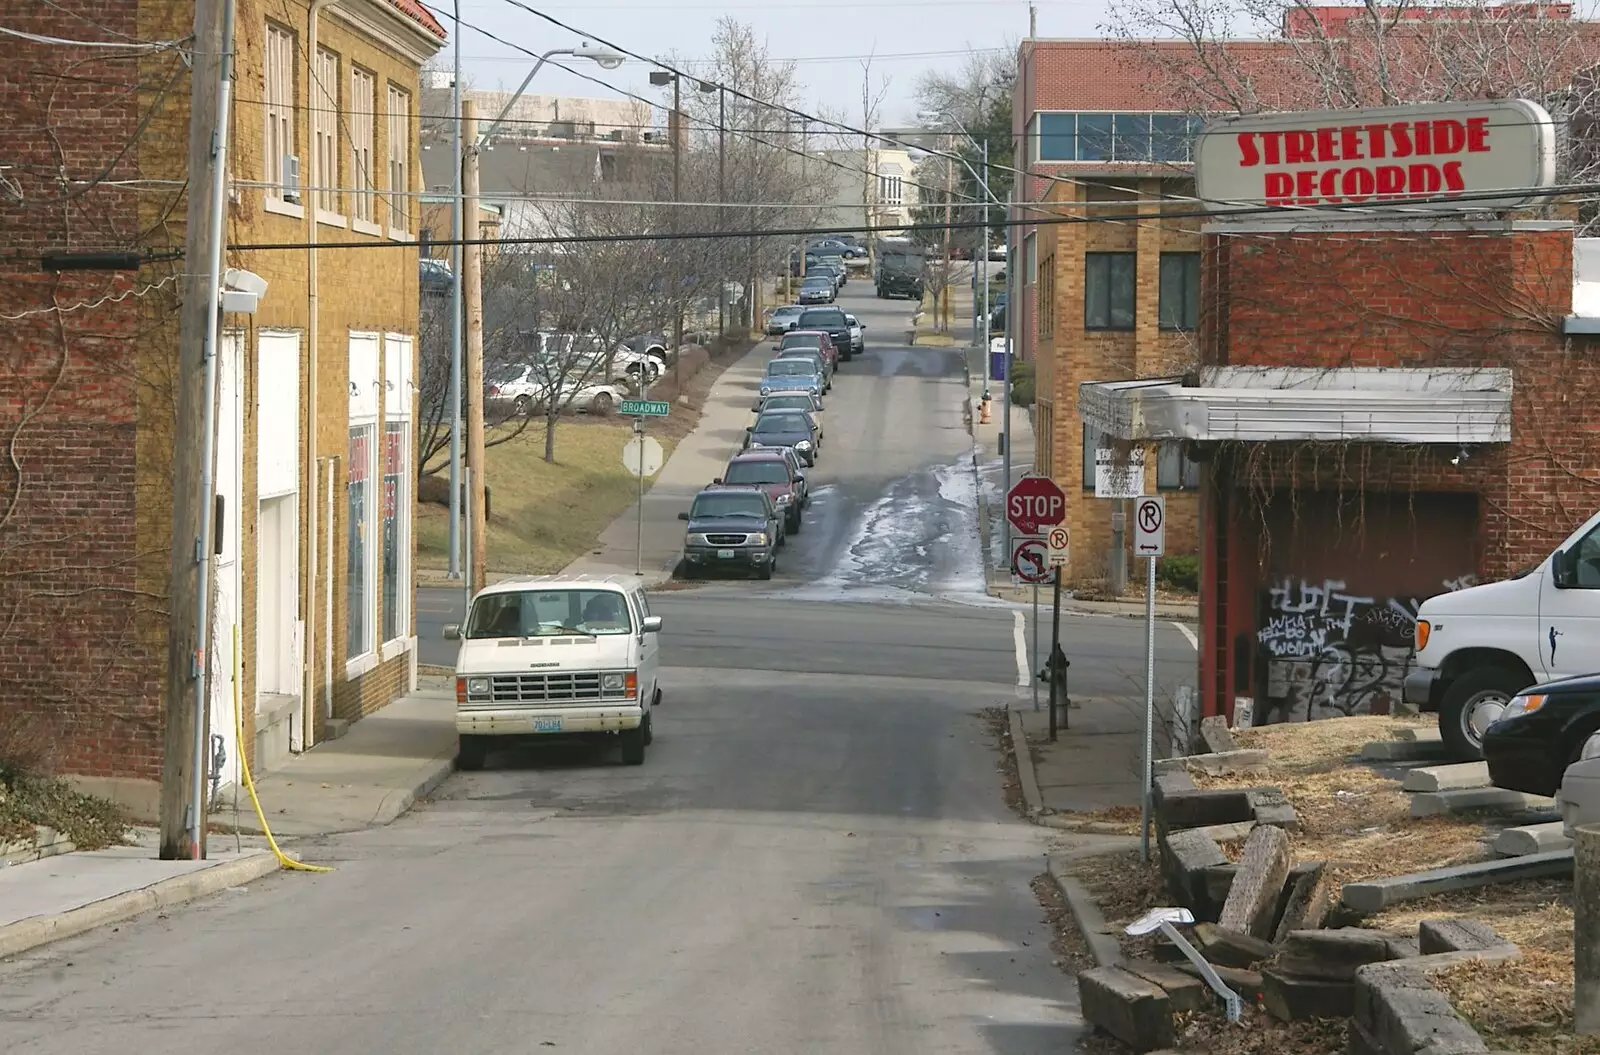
x=572 y=371
x=745 y=517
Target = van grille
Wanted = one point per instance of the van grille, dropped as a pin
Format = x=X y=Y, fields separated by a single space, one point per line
x=554 y=687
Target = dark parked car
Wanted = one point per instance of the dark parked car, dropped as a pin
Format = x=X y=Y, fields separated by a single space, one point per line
x=769 y=470
x=1541 y=732
x=785 y=428
x=835 y=323
x=732 y=529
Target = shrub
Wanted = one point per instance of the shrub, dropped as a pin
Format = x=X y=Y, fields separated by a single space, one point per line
x=1021 y=383
x=1180 y=571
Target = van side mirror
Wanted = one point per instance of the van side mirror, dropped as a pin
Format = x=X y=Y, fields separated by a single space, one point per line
x=683 y=516
x=452 y=632
x=717 y=479
x=1564 y=568
x=651 y=624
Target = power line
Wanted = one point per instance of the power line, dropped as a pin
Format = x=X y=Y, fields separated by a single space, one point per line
x=1325 y=210
x=119 y=45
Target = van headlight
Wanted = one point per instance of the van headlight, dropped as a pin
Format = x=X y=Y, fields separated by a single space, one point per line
x=478 y=686
x=613 y=681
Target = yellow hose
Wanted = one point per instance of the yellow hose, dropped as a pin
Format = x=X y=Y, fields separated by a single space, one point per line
x=250 y=785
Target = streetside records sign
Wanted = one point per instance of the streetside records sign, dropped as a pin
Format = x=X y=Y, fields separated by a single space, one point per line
x=1473 y=149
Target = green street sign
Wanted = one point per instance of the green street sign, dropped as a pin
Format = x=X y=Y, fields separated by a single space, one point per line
x=646 y=408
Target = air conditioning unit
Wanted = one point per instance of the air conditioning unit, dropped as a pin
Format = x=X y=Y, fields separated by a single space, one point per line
x=291 y=178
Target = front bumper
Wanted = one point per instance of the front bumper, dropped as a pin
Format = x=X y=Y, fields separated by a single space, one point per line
x=1525 y=754
x=549 y=721
x=742 y=556
x=1418 y=688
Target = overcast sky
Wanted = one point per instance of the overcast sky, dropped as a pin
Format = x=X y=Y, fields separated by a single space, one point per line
x=827 y=38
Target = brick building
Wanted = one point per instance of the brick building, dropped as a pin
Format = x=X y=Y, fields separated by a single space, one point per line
x=316 y=398
x=1385 y=408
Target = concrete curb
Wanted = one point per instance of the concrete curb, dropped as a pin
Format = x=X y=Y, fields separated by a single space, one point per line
x=395 y=804
x=35 y=931
x=1097 y=933
x=1032 y=800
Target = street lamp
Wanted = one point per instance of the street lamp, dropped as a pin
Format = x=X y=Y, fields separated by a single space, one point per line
x=607 y=58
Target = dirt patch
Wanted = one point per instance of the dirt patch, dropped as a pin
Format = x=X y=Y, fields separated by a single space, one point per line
x=998 y=721
x=1327 y=740
x=1072 y=951
x=1256 y=1033
x=1109 y=820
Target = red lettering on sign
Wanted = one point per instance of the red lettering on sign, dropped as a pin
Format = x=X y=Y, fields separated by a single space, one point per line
x=1477 y=135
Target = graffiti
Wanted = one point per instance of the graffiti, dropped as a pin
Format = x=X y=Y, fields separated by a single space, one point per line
x=1330 y=652
x=1461 y=582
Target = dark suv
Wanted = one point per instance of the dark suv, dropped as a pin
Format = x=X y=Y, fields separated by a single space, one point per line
x=831 y=321
x=770 y=471
x=731 y=528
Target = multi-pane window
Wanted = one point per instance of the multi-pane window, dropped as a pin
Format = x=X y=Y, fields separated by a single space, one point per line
x=1180 y=291
x=278 y=107
x=891 y=190
x=325 y=130
x=396 y=556
x=1174 y=470
x=1108 y=291
x=399 y=157
x=1047 y=297
x=363 y=104
x=361 y=497
x=1145 y=137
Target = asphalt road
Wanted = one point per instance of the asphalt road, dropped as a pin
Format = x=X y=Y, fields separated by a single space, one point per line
x=816 y=856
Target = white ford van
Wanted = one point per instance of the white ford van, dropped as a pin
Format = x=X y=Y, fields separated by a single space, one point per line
x=1479 y=647
x=549 y=656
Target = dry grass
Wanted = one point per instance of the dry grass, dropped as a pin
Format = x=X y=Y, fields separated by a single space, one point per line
x=1123 y=886
x=1350 y=815
x=1123 y=820
x=1256 y=1033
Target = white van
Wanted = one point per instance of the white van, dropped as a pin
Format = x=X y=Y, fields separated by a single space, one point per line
x=550 y=656
x=1478 y=647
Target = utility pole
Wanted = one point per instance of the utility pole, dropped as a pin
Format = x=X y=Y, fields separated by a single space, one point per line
x=457 y=232
x=949 y=192
x=722 y=195
x=676 y=129
x=183 y=762
x=472 y=280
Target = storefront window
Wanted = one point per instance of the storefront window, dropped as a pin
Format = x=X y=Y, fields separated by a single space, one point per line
x=358 y=528
x=394 y=499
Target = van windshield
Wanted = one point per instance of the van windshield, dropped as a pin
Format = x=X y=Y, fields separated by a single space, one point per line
x=549 y=613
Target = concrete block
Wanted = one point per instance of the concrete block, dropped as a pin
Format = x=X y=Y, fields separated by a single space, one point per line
x=1399 y=1010
x=1136 y=1012
x=1310 y=896
x=1229 y=833
x=1201 y=809
x=1456 y=935
x=1448 y=778
x=1426 y=734
x=1186 y=992
x=1254 y=894
x=1532 y=839
x=1215 y=734
x=1377 y=894
x=1332 y=955
x=1231 y=948
x=1185 y=856
x=1291 y=998
x=1219 y=763
x=1216 y=882
x=1467 y=800
x=1271 y=806
x=1404 y=751
x=1246 y=983
x=1586 y=929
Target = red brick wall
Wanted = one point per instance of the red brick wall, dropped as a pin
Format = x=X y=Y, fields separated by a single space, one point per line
x=1448 y=298
x=75 y=644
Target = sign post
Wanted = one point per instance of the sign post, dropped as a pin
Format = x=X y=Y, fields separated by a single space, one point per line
x=1149 y=542
x=1035 y=504
x=642 y=455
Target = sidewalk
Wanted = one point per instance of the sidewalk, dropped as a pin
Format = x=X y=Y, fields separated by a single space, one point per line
x=697 y=459
x=370 y=776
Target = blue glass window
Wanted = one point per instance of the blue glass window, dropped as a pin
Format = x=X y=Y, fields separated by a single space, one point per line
x=1094 y=137
x=1058 y=137
x=1131 y=138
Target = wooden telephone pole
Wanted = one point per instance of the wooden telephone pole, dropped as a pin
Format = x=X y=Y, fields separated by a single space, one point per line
x=472 y=381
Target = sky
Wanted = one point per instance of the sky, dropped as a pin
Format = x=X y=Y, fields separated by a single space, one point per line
x=827 y=38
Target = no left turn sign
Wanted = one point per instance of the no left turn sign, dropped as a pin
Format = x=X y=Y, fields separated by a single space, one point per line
x=1150 y=526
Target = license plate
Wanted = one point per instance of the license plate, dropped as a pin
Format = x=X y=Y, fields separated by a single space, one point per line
x=724 y=554
x=547 y=725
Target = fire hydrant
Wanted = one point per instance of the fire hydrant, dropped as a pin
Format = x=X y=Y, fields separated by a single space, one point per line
x=983 y=410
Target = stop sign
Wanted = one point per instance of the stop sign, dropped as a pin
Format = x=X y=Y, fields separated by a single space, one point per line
x=1035 y=503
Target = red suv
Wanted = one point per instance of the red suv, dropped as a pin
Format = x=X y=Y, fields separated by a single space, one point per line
x=772 y=472
x=812 y=339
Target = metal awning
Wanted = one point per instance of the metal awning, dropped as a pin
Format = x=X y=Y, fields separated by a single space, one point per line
x=1275 y=404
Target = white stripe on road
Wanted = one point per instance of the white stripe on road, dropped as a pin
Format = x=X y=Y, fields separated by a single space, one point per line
x=1017 y=636
x=1183 y=628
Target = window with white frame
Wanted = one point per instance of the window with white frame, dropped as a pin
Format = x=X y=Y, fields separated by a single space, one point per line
x=361 y=512
x=891 y=190
x=325 y=131
x=278 y=107
x=363 y=104
x=399 y=157
x=397 y=401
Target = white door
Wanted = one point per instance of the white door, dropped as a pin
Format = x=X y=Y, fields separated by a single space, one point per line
x=277 y=600
x=1569 y=617
x=223 y=753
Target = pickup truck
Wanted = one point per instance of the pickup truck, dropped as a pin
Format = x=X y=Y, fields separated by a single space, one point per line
x=1477 y=648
